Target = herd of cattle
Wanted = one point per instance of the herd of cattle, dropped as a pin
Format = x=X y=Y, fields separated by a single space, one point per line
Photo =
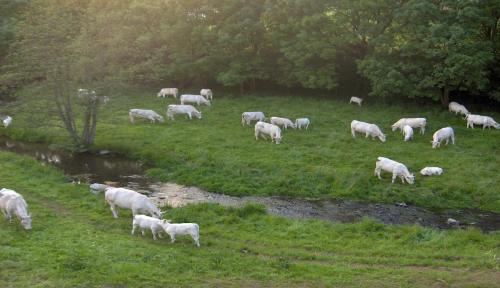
x=12 y=203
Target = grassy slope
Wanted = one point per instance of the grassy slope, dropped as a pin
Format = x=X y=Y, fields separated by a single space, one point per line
x=220 y=155
x=76 y=243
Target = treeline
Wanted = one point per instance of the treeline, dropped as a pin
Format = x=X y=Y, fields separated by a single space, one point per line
x=390 y=48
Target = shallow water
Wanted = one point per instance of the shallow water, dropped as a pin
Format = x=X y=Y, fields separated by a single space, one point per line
x=110 y=167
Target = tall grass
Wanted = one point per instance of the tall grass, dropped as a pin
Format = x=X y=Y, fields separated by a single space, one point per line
x=75 y=242
x=218 y=154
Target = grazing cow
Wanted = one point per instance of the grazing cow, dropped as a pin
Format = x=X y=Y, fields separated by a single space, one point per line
x=129 y=199
x=189 y=110
x=458 y=108
x=7 y=121
x=413 y=122
x=197 y=99
x=207 y=93
x=282 y=122
x=145 y=222
x=408 y=132
x=429 y=171
x=146 y=114
x=397 y=169
x=248 y=117
x=486 y=121
x=302 y=122
x=443 y=134
x=262 y=129
x=368 y=129
x=12 y=202
x=356 y=100
x=168 y=91
x=173 y=230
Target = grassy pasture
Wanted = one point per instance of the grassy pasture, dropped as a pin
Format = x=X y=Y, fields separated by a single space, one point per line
x=75 y=242
x=218 y=154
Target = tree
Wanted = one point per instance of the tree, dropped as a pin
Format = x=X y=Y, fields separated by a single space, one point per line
x=51 y=47
x=431 y=49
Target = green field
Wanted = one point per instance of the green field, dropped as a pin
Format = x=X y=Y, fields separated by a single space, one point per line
x=217 y=154
x=75 y=242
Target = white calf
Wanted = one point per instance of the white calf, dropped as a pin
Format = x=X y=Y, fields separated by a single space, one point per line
x=189 y=110
x=146 y=114
x=207 y=93
x=129 y=199
x=428 y=171
x=196 y=99
x=485 y=121
x=368 y=129
x=302 y=122
x=191 y=229
x=408 y=132
x=168 y=91
x=248 y=117
x=150 y=223
x=443 y=134
x=356 y=100
x=458 y=108
x=413 y=122
x=7 y=121
x=12 y=202
x=396 y=168
x=262 y=129
x=282 y=122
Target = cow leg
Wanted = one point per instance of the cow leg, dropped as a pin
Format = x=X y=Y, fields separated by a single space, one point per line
x=172 y=238
x=133 y=230
x=353 y=133
x=143 y=232
x=154 y=234
x=114 y=210
x=394 y=177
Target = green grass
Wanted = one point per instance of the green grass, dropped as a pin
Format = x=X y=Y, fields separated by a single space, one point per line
x=75 y=242
x=219 y=155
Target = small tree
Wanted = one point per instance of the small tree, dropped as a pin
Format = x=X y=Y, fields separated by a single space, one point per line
x=51 y=48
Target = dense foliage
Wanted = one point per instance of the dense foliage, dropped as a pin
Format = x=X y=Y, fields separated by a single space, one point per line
x=401 y=48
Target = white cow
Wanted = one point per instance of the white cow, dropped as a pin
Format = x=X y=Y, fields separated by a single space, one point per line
x=282 y=122
x=458 y=108
x=429 y=171
x=302 y=122
x=196 y=99
x=413 y=122
x=189 y=110
x=173 y=230
x=407 y=132
x=145 y=222
x=356 y=100
x=146 y=114
x=262 y=129
x=443 y=134
x=129 y=199
x=7 y=121
x=248 y=117
x=207 y=93
x=368 y=129
x=164 y=92
x=397 y=169
x=12 y=202
x=485 y=121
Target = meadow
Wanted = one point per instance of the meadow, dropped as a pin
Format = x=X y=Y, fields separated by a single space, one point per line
x=217 y=154
x=75 y=242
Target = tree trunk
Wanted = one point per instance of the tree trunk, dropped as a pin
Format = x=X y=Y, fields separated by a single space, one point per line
x=445 y=97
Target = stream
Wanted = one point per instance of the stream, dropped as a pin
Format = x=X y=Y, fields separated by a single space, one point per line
x=111 y=168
